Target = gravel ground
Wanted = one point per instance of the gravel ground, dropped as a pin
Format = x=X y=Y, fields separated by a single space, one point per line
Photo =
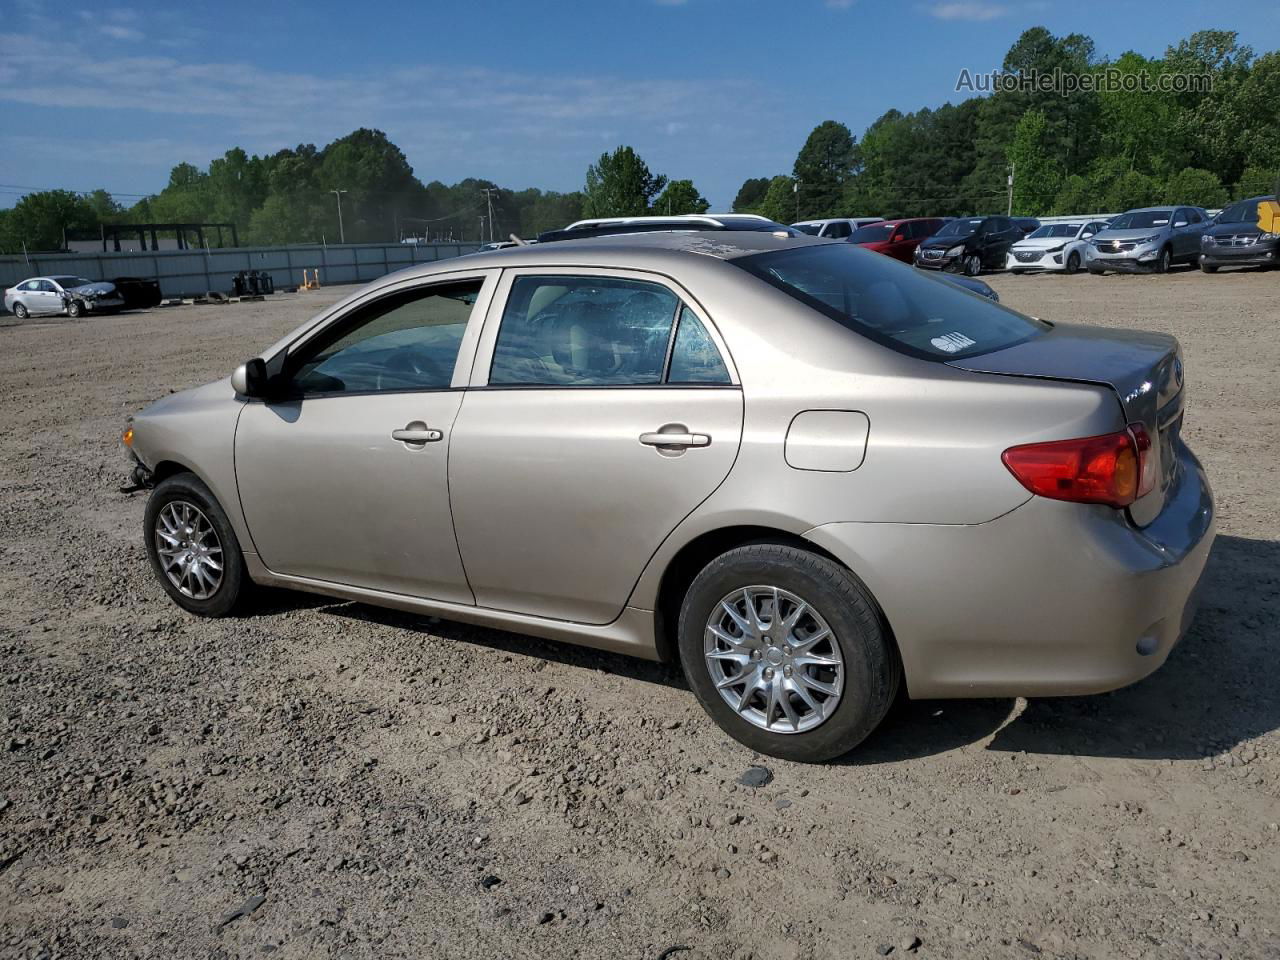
x=327 y=779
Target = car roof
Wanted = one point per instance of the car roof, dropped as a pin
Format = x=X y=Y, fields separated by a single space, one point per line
x=657 y=251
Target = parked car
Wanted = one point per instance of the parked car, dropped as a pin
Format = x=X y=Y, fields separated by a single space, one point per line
x=1148 y=239
x=1234 y=239
x=1054 y=246
x=969 y=244
x=837 y=228
x=137 y=292
x=661 y=444
x=55 y=295
x=1027 y=225
x=897 y=238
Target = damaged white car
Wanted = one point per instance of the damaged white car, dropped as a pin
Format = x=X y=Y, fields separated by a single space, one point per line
x=61 y=295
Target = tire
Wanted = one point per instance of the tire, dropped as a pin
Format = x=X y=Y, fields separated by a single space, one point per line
x=20 y=311
x=867 y=680
x=1165 y=261
x=75 y=309
x=1208 y=267
x=1073 y=263
x=192 y=503
x=972 y=265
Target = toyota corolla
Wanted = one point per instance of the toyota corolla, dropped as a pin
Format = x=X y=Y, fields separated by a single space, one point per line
x=806 y=473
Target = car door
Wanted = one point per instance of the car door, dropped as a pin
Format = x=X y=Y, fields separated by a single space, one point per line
x=47 y=298
x=1184 y=237
x=603 y=410
x=343 y=477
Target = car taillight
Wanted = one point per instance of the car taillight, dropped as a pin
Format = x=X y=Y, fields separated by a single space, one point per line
x=1115 y=469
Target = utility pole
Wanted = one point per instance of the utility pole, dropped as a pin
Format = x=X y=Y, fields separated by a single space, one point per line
x=488 y=196
x=1013 y=167
x=342 y=234
x=795 y=188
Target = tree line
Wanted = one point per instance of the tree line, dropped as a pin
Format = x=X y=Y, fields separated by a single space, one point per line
x=1082 y=152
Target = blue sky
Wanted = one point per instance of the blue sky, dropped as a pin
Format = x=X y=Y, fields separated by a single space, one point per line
x=523 y=93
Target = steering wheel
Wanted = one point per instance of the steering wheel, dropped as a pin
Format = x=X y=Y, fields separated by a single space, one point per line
x=412 y=360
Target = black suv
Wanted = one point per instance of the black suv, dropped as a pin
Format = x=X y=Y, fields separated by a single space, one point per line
x=1234 y=239
x=968 y=244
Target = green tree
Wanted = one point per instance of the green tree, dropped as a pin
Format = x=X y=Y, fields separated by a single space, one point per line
x=1076 y=195
x=1037 y=174
x=619 y=184
x=779 y=201
x=1199 y=188
x=825 y=165
x=1130 y=189
x=750 y=194
x=680 y=197
x=41 y=220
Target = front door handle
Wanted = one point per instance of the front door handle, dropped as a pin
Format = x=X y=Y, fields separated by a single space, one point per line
x=675 y=436
x=418 y=434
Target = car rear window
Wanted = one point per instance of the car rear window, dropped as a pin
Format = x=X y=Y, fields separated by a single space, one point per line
x=891 y=303
x=872 y=233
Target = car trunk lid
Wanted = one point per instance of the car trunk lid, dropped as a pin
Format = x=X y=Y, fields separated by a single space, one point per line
x=1143 y=369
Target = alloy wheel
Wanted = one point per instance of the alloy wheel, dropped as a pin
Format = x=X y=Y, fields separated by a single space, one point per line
x=774 y=659
x=189 y=549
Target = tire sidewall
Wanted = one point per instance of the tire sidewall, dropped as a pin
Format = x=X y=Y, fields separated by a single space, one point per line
x=186 y=486
x=871 y=669
x=20 y=311
x=74 y=310
x=1073 y=262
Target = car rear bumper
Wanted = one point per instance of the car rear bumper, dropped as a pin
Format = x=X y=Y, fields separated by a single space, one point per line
x=1050 y=599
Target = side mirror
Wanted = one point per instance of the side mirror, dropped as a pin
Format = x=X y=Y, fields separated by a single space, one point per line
x=250 y=379
x=1086 y=235
x=1180 y=223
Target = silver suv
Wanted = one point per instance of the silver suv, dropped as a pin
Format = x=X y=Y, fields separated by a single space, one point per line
x=804 y=471
x=1149 y=239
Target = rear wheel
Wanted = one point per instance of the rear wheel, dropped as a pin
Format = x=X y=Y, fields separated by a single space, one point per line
x=20 y=311
x=1208 y=267
x=75 y=309
x=787 y=651
x=192 y=548
x=1073 y=262
x=1096 y=271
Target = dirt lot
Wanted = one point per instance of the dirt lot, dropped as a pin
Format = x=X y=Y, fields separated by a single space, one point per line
x=398 y=787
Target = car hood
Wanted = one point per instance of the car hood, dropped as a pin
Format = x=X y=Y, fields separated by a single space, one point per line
x=945 y=243
x=1042 y=243
x=1137 y=234
x=100 y=289
x=1234 y=230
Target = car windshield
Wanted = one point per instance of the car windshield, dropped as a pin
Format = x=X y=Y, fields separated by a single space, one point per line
x=959 y=228
x=891 y=303
x=810 y=228
x=1246 y=211
x=872 y=233
x=1140 y=219
x=69 y=281
x=1068 y=230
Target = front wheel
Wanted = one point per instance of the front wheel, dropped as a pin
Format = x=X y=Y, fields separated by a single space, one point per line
x=75 y=309
x=972 y=265
x=1073 y=263
x=787 y=651
x=1165 y=262
x=193 y=550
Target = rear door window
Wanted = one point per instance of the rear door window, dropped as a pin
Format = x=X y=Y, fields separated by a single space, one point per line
x=837 y=230
x=902 y=308
x=694 y=357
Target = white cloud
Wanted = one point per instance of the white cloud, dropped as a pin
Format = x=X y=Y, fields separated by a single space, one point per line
x=840 y=4
x=117 y=32
x=969 y=11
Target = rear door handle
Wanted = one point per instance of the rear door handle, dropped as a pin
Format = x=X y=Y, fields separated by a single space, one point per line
x=417 y=433
x=675 y=435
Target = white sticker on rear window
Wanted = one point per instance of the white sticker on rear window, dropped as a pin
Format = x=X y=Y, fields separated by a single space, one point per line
x=952 y=342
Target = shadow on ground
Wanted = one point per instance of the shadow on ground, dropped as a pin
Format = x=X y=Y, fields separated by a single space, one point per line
x=1220 y=686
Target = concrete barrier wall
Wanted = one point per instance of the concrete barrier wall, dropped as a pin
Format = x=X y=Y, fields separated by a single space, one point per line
x=188 y=272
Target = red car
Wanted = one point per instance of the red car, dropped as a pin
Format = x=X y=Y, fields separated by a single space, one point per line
x=897 y=238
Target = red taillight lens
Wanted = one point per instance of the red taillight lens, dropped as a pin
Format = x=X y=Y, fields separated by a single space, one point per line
x=1114 y=469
